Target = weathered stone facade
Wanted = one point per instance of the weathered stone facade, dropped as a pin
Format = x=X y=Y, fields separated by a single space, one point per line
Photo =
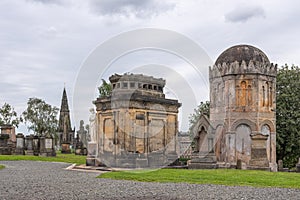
x=136 y=126
x=242 y=108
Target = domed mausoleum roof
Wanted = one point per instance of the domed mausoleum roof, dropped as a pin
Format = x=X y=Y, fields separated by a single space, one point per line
x=241 y=53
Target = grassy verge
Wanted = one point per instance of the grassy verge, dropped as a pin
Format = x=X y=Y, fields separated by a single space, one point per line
x=68 y=158
x=1 y=167
x=218 y=176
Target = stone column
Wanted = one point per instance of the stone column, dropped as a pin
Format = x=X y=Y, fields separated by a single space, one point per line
x=20 y=144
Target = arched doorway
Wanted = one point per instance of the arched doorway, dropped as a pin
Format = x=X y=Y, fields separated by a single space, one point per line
x=243 y=143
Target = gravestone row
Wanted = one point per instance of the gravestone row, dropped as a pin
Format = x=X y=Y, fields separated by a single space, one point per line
x=27 y=145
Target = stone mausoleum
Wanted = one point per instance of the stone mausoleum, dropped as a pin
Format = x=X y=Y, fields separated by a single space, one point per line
x=241 y=129
x=136 y=126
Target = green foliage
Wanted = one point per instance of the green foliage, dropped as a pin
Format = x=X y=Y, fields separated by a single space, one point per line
x=214 y=176
x=41 y=117
x=288 y=115
x=8 y=116
x=67 y=158
x=1 y=167
x=105 y=89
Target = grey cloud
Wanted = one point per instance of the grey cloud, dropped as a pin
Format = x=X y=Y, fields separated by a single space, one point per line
x=46 y=1
x=138 y=8
x=244 y=13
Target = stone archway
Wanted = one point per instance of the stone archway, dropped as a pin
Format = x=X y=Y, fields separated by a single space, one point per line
x=200 y=140
x=243 y=143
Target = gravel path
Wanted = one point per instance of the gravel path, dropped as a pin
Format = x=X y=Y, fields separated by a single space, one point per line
x=44 y=180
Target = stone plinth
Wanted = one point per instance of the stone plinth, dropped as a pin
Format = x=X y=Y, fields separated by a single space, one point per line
x=92 y=153
x=203 y=161
x=259 y=159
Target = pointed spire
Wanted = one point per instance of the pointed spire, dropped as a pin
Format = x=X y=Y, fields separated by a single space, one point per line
x=64 y=117
x=64 y=102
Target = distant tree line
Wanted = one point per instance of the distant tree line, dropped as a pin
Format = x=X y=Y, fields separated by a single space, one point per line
x=288 y=115
x=39 y=117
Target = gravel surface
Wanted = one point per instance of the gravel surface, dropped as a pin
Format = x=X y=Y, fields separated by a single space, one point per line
x=44 y=180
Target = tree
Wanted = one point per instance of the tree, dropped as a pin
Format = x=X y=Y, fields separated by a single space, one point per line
x=41 y=117
x=105 y=89
x=8 y=116
x=288 y=115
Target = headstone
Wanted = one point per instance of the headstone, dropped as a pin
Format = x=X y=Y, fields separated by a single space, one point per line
x=239 y=164
x=29 y=145
x=36 y=145
x=82 y=134
x=20 y=146
x=298 y=166
x=46 y=146
x=280 y=165
x=48 y=143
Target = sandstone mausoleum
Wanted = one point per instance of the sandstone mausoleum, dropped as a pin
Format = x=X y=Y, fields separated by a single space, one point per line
x=136 y=126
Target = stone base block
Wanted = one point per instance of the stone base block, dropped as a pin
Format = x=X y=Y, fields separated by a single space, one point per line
x=202 y=166
x=92 y=149
x=141 y=163
x=29 y=152
x=65 y=148
x=90 y=161
x=48 y=154
x=20 y=151
x=82 y=152
x=259 y=168
x=203 y=162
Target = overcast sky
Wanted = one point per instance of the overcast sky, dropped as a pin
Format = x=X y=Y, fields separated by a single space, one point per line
x=44 y=43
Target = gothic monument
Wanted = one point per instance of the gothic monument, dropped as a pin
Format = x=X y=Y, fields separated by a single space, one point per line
x=241 y=129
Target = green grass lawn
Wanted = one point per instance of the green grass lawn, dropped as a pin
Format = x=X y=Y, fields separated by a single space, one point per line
x=1 y=167
x=215 y=176
x=68 y=158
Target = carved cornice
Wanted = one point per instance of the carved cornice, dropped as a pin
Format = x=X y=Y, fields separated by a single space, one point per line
x=236 y=68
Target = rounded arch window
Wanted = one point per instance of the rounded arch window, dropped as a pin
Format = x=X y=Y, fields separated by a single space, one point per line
x=265 y=130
